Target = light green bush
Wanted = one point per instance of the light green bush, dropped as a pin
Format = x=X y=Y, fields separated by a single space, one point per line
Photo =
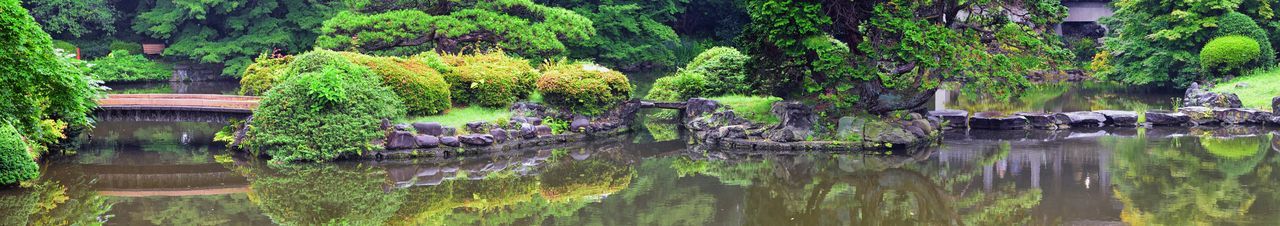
x=419 y=85
x=491 y=79
x=583 y=88
x=263 y=74
x=124 y=66
x=724 y=68
x=679 y=87
x=16 y=163
x=1227 y=54
x=331 y=109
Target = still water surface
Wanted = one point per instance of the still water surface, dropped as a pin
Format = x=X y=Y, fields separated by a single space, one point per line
x=131 y=173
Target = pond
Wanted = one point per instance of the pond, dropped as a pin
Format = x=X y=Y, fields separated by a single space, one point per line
x=1064 y=97
x=171 y=174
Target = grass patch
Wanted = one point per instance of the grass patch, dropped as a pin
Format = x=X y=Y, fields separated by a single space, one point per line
x=459 y=117
x=1260 y=88
x=752 y=108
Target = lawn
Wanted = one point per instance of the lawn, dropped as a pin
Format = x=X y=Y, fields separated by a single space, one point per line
x=459 y=117
x=1258 y=90
x=752 y=108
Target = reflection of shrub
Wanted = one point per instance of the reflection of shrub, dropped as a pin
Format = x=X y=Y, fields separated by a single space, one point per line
x=325 y=195
x=575 y=179
x=264 y=73
x=123 y=66
x=1228 y=54
x=491 y=79
x=583 y=88
x=418 y=84
x=332 y=108
x=16 y=163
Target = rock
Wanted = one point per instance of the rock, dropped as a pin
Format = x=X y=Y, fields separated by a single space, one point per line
x=794 y=114
x=450 y=141
x=733 y=132
x=1260 y=117
x=1197 y=96
x=528 y=131
x=879 y=133
x=1165 y=118
x=783 y=135
x=715 y=120
x=997 y=121
x=1120 y=118
x=1200 y=115
x=580 y=124
x=924 y=125
x=402 y=127
x=477 y=139
x=1234 y=116
x=955 y=118
x=849 y=126
x=478 y=127
x=386 y=124
x=1083 y=118
x=915 y=129
x=499 y=135
x=449 y=131
x=1275 y=105
x=400 y=140
x=543 y=130
x=429 y=128
x=1042 y=120
x=427 y=141
x=698 y=107
x=526 y=109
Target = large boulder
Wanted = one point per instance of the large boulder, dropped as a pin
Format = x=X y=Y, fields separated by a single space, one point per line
x=1166 y=118
x=785 y=135
x=997 y=121
x=952 y=118
x=733 y=132
x=1232 y=116
x=1200 y=96
x=427 y=141
x=698 y=107
x=400 y=140
x=1200 y=115
x=429 y=128
x=794 y=114
x=1120 y=118
x=528 y=131
x=580 y=124
x=477 y=139
x=450 y=141
x=542 y=130
x=499 y=135
x=1083 y=118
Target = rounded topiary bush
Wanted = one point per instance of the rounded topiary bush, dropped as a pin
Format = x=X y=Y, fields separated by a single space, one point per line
x=329 y=110
x=419 y=85
x=490 y=79
x=1226 y=55
x=724 y=68
x=263 y=74
x=16 y=163
x=583 y=88
x=679 y=87
x=1236 y=23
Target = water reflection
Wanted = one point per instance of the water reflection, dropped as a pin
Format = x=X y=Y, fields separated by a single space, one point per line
x=1063 y=97
x=1085 y=176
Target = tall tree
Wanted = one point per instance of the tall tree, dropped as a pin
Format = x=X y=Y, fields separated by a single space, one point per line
x=74 y=18
x=887 y=55
x=632 y=34
x=233 y=31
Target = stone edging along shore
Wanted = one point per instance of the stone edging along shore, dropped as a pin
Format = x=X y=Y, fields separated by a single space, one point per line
x=1227 y=113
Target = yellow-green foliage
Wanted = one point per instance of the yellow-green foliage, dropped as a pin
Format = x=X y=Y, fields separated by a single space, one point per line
x=490 y=79
x=583 y=88
x=264 y=73
x=1255 y=90
x=678 y=87
x=459 y=117
x=419 y=85
x=1228 y=53
x=16 y=164
x=754 y=108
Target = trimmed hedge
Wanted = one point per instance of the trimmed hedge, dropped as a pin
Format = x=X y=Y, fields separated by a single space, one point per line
x=124 y=66
x=420 y=86
x=583 y=88
x=331 y=108
x=1227 y=54
x=491 y=79
x=679 y=87
x=16 y=163
x=263 y=74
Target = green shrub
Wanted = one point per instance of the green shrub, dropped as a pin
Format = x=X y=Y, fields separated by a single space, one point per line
x=1235 y=23
x=132 y=47
x=583 y=88
x=490 y=79
x=419 y=85
x=333 y=108
x=42 y=92
x=263 y=74
x=64 y=46
x=724 y=68
x=679 y=87
x=16 y=163
x=1227 y=54
x=123 y=66
x=754 y=108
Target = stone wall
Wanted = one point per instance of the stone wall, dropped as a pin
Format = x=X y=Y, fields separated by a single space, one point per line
x=196 y=72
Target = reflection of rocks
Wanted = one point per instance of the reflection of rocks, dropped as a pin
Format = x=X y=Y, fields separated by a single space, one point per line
x=997 y=121
x=1165 y=118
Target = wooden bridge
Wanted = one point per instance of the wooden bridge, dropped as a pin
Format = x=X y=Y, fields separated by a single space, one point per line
x=175 y=107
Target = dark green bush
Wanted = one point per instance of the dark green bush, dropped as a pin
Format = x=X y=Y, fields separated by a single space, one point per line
x=124 y=66
x=263 y=74
x=420 y=86
x=331 y=109
x=1235 y=23
x=724 y=69
x=1228 y=54
x=132 y=47
x=41 y=92
x=16 y=163
x=583 y=88
x=490 y=79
